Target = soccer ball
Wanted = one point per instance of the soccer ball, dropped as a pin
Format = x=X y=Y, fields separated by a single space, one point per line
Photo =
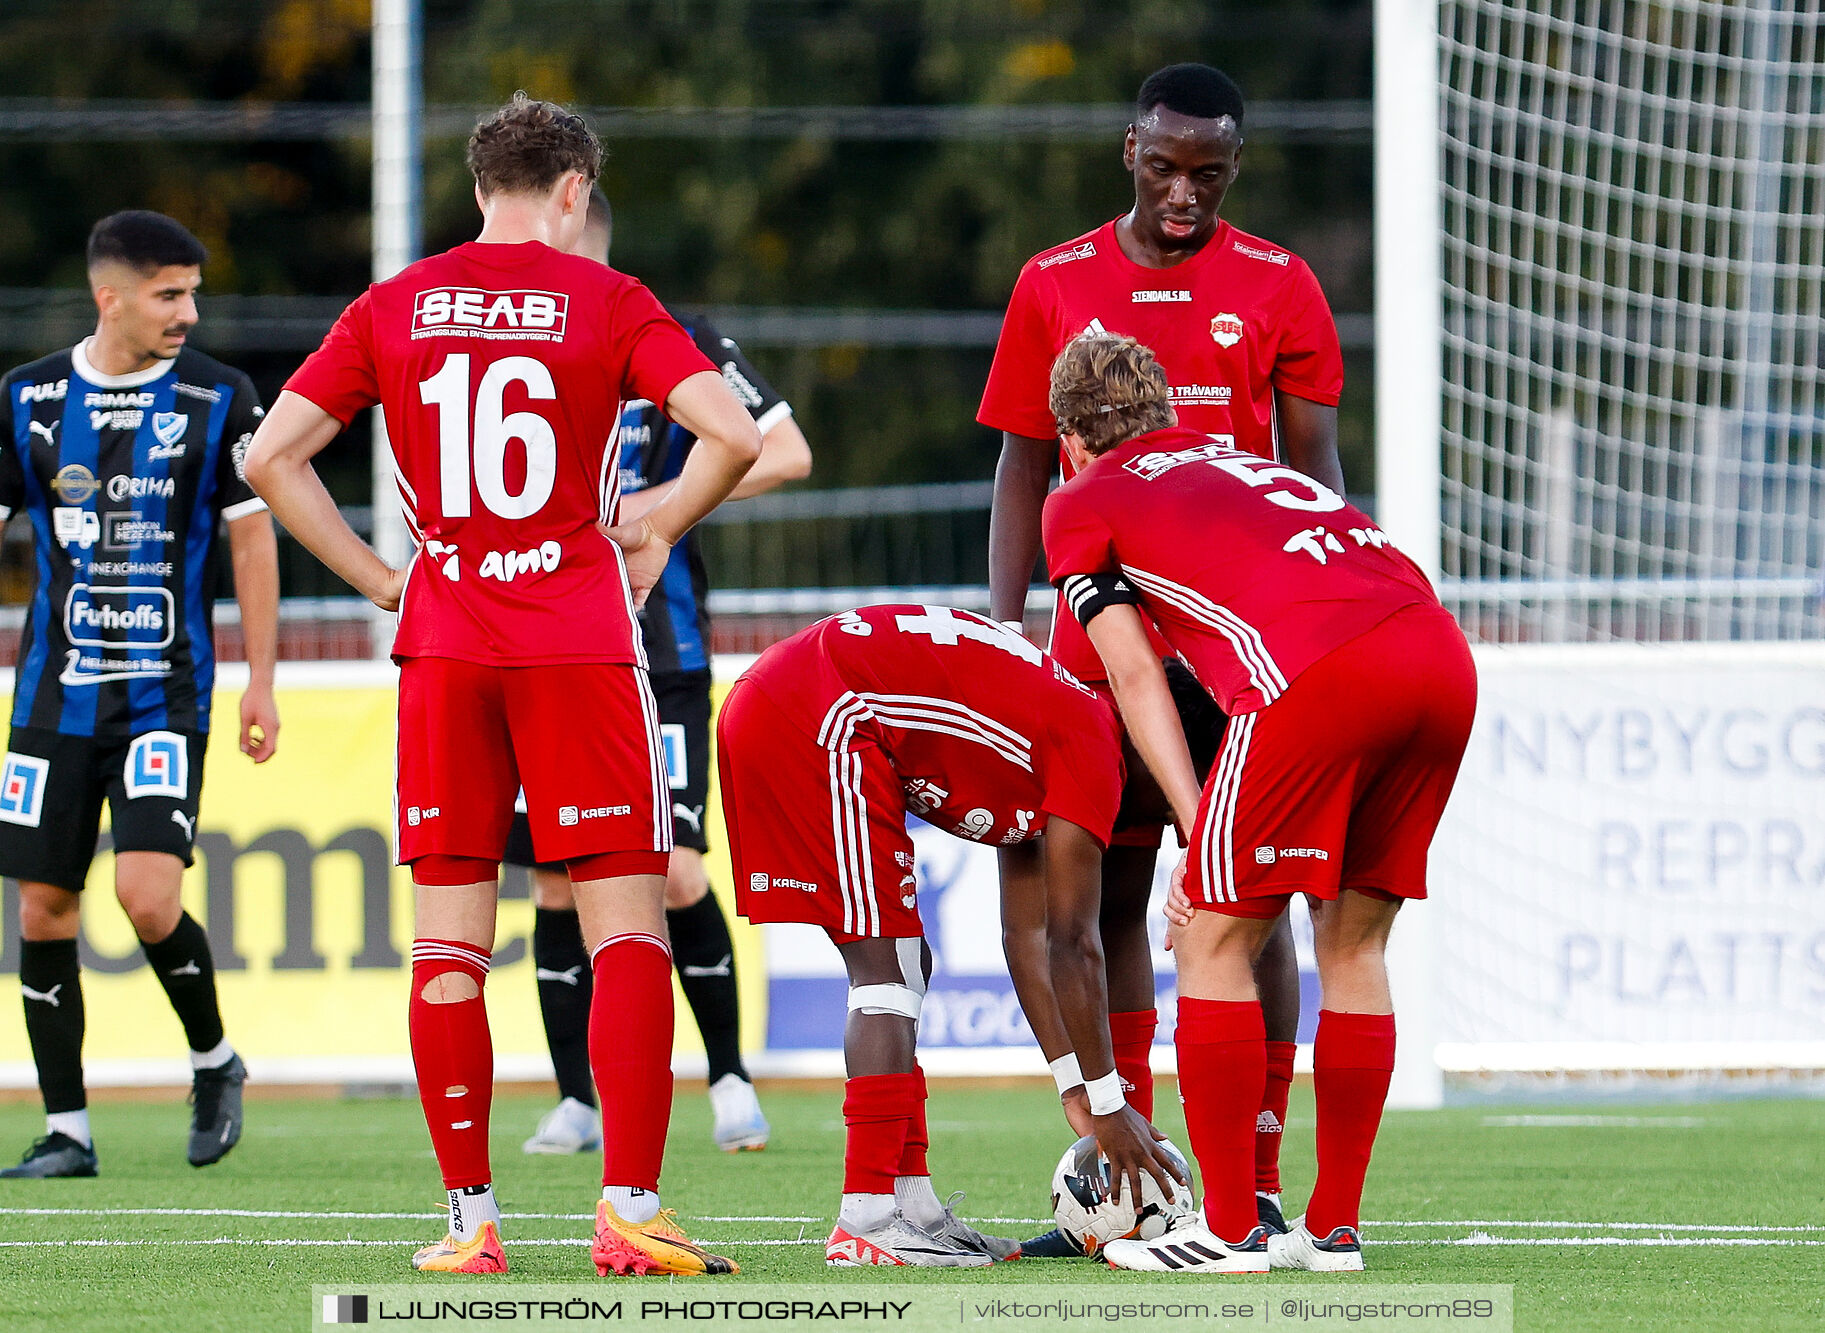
x=1084 y=1212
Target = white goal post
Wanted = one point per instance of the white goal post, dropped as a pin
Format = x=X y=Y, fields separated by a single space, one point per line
x=1600 y=255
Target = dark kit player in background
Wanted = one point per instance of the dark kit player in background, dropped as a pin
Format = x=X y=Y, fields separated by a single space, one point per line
x=1250 y=349
x=126 y=451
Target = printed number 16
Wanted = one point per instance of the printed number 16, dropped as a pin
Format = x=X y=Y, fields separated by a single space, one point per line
x=478 y=449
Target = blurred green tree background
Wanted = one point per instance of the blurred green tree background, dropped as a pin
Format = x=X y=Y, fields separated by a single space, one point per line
x=724 y=217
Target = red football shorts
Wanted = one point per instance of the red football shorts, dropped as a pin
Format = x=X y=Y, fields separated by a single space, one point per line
x=582 y=738
x=816 y=835
x=1341 y=781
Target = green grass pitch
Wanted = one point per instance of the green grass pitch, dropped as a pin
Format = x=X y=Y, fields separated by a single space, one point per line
x=1707 y=1216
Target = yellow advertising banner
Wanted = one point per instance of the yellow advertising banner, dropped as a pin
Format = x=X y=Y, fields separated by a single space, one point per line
x=309 y=919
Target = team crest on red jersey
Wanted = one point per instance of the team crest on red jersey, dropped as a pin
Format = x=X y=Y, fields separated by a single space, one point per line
x=1226 y=329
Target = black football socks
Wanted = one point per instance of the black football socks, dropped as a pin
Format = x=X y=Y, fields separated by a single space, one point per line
x=565 y=985
x=51 y=982
x=184 y=967
x=705 y=958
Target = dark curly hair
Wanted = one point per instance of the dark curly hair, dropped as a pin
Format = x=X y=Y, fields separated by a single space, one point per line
x=527 y=145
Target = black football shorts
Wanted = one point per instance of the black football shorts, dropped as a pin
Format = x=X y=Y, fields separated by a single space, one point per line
x=53 y=785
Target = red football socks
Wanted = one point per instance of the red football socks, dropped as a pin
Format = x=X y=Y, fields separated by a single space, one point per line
x=1271 y=1124
x=454 y=1056
x=1222 y=1068
x=630 y=1054
x=878 y=1111
x=1131 y=1034
x=1353 y=1062
x=918 y=1137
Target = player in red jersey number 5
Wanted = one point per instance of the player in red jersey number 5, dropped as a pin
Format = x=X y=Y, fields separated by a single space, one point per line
x=502 y=365
x=1350 y=692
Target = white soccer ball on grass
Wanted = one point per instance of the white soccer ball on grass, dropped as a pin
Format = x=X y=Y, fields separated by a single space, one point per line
x=1083 y=1206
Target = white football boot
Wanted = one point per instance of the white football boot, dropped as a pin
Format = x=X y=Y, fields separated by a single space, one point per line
x=569 y=1127
x=897 y=1243
x=1190 y=1247
x=954 y=1228
x=1339 y=1252
x=740 y=1127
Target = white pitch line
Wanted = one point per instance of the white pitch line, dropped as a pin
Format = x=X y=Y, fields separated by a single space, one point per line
x=1574 y=1242
x=338 y=1216
x=1604 y=1226
x=1565 y=1242
x=247 y=1212
x=404 y=1244
x=1593 y=1122
x=1408 y=1224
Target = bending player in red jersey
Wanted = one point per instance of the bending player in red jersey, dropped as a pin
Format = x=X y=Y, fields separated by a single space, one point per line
x=1249 y=347
x=501 y=366
x=1350 y=692
x=824 y=744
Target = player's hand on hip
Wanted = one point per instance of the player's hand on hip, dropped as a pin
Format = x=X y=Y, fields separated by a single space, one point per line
x=259 y=723
x=1127 y=1140
x=391 y=588
x=645 y=553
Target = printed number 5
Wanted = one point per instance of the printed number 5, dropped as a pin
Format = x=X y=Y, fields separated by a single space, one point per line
x=1259 y=472
x=481 y=452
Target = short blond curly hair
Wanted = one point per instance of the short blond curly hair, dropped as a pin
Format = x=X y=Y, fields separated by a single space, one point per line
x=1106 y=389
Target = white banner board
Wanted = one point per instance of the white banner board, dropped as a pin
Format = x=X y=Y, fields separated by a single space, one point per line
x=1635 y=857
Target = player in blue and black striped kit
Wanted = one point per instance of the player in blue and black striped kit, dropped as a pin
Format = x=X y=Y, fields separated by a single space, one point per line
x=124 y=452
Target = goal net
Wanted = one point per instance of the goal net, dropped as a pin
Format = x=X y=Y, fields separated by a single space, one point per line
x=1633 y=203
x=1618 y=472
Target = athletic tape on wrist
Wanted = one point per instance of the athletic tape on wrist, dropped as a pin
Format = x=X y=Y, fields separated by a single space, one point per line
x=1065 y=1072
x=1105 y=1094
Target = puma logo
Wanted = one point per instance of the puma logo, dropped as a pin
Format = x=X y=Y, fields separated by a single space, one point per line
x=690 y=814
x=48 y=996
x=718 y=969
x=568 y=976
x=189 y=969
x=185 y=822
x=49 y=432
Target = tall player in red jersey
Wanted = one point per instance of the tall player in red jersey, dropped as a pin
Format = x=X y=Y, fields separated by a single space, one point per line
x=1350 y=692
x=825 y=743
x=1250 y=351
x=501 y=365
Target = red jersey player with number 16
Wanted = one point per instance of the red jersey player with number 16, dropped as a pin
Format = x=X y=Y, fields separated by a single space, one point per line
x=501 y=366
